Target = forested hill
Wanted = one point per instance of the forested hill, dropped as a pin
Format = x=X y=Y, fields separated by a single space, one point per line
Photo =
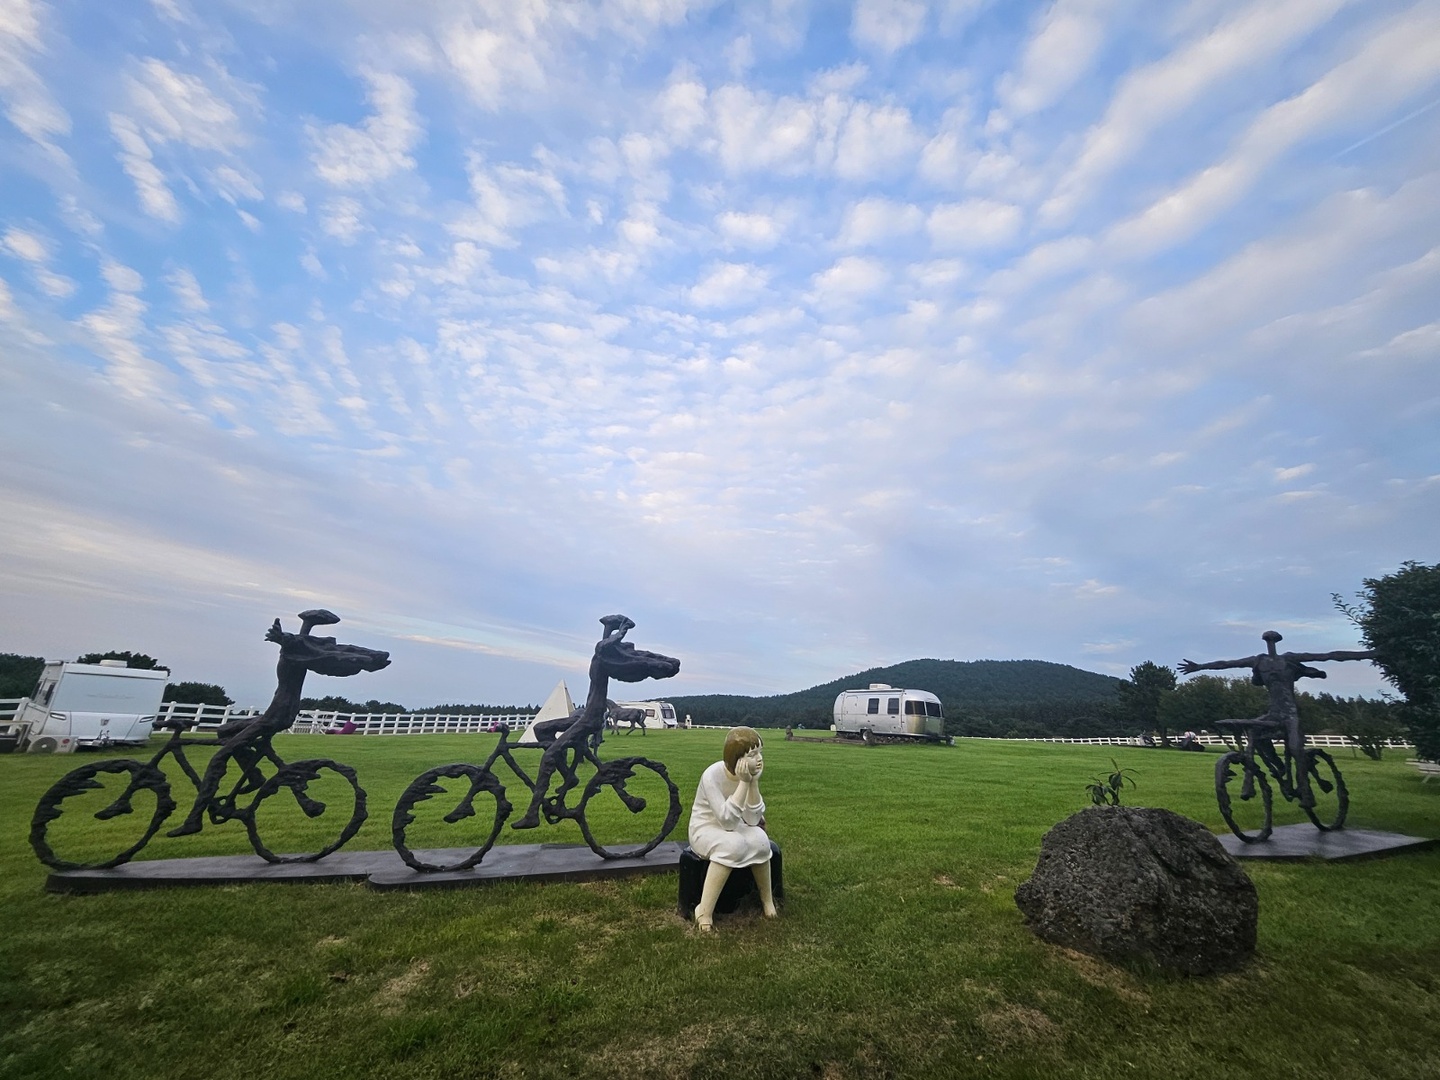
x=980 y=697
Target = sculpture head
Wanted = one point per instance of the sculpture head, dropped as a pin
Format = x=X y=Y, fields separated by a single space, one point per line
x=740 y=742
x=620 y=660
x=1271 y=637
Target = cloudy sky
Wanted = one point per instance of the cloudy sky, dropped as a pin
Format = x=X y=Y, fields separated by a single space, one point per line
x=813 y=336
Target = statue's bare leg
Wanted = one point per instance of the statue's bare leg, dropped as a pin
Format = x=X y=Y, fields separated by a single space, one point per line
x=715 y=878
x=762 y=884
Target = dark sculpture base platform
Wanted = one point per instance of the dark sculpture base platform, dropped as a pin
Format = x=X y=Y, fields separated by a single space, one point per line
x=1295 y=842
x=739 y=886
x=380 y=869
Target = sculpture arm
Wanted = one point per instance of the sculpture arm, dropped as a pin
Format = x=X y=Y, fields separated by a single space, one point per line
x=1342 y=654
x=1189 y=667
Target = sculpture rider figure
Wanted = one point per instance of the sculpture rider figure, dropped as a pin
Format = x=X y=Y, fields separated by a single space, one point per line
x=613 y=657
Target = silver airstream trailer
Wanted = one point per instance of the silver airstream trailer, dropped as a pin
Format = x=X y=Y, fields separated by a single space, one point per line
x=885 y=712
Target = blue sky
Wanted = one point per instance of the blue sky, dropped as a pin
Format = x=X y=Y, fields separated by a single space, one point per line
x=812 y=336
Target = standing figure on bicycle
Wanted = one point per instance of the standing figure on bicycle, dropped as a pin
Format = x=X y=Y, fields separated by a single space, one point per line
x=1278 y=672
x=614 y=658
x=247 y=740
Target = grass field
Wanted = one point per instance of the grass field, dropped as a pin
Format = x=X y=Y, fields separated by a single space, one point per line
x=899 y=951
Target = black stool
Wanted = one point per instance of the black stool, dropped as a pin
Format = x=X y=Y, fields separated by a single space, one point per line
x=739 y=886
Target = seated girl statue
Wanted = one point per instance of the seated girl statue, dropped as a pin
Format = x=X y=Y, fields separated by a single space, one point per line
x=727 y=823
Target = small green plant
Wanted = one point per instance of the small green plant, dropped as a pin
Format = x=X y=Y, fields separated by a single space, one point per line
x=1107 y=792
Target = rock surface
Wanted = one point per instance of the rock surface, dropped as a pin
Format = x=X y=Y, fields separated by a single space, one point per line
x=1133 y=883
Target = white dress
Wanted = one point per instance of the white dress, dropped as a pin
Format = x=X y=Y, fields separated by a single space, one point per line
x=721 y=831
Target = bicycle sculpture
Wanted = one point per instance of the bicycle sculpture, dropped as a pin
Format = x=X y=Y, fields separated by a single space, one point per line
x=245 y=742
x=1303 y=770
x=567 y=742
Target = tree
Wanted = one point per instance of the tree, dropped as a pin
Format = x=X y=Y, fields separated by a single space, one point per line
x=1399 y=617
x=1144 y=695
x=1366 y=723
x=197 y=693
x=19 y=674
x=132 y=659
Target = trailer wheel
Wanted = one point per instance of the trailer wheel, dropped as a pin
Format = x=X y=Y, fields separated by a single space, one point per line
x=867 y=737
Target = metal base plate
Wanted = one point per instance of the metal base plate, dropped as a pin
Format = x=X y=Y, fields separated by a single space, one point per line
x=380 y=869
x=1293 y=842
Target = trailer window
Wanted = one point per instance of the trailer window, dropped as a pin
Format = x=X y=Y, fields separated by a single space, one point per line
x=893 y=708
x=873 y=706
x=914 y=708
x=932 y=708
x=667 y=712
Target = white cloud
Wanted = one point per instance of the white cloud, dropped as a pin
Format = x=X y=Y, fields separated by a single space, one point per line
x=682 y=108
x=29 y=105
x=32 y=249
x=1152 y=96
x=759 y=232
x=507 y=198
x=187 y=290
x=887 y=25
x=975 y=223
x=120 y=277
x=342 y=219
x=138 y=162
x=380 y=147
x=491 y=61
x=171 y=106
x=850 y=278
x=875 y=221
x=728 y=284
x=1392 y=66
x=758 y=132
x=877 y=140
x=1056 y=57
x=27 y=246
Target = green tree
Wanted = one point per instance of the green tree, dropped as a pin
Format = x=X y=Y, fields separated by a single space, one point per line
x=1143 y=697
x=197 y=693
x=132 y=659
x=1399 y=617
x=19 y=674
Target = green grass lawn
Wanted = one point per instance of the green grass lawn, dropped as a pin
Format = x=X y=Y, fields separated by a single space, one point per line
x=899 y=951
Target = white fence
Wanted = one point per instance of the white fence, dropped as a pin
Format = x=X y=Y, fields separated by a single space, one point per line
x=1206 y=740
x=311 y=722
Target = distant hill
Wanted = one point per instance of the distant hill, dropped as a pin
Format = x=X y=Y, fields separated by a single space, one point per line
x=981 y=697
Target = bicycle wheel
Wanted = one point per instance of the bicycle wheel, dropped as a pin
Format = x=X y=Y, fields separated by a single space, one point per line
x=426 y=836
x=292 y=819
x=120 y=792
x=1332 y=799
x=1250 y=821
x=620 y=813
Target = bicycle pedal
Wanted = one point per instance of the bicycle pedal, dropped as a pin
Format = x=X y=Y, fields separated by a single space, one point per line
x=114 y=810
x=462 y=811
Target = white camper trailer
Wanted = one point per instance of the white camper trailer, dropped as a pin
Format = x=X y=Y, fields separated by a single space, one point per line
x=79 y=705
x=883 y=711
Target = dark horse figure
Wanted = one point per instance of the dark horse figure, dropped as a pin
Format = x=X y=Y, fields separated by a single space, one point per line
x=633 y=718
x=247 y=740
x=614 y=658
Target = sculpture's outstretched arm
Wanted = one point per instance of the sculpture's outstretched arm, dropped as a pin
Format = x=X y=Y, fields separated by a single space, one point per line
x=1367 y=654
x=1188 y=667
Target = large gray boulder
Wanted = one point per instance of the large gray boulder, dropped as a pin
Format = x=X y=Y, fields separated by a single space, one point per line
x=1131 y=883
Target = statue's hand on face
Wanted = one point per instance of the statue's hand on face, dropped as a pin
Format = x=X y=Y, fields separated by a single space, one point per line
x=750 y=766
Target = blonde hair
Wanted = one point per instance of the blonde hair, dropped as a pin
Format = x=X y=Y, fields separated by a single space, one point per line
x=739 y=742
